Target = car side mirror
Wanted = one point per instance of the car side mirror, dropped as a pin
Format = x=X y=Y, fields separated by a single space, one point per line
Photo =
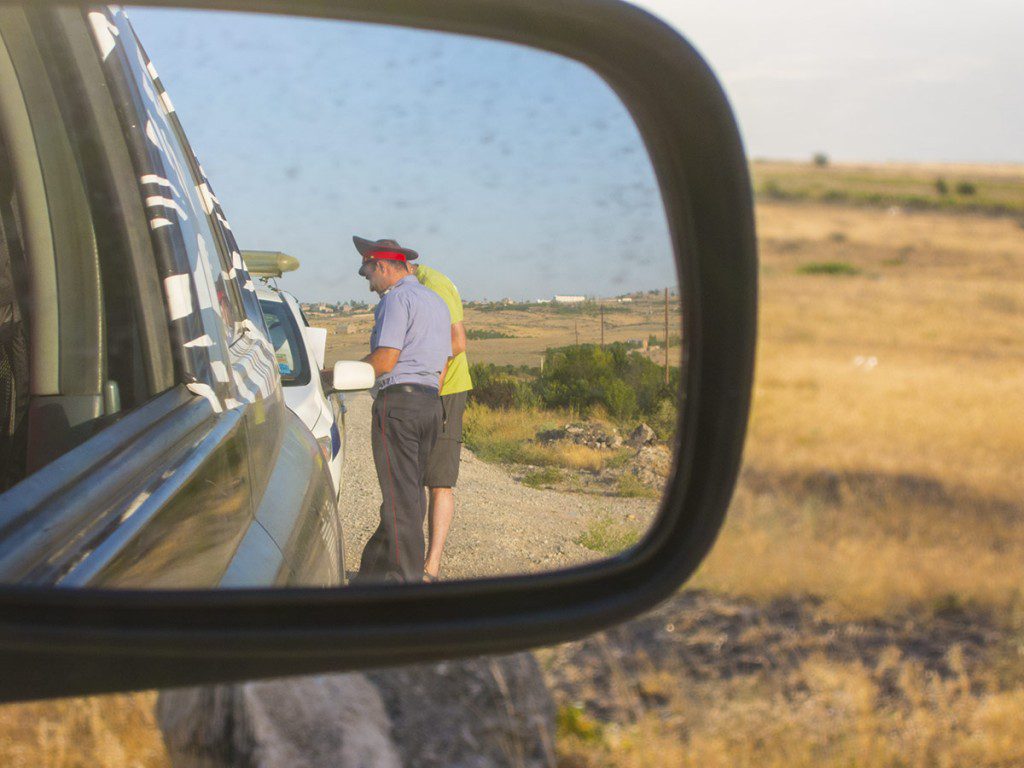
x=316 y=338
x=353 y=376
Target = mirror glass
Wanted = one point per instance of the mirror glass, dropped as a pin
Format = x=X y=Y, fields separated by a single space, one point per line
x=448 y=210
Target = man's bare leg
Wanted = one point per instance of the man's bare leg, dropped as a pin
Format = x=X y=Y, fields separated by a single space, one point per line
x=439 y=520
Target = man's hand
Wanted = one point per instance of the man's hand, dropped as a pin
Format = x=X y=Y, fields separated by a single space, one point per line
x=383 y=360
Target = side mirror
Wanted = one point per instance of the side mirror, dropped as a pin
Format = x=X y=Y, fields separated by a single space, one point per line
x=316 y=339
x=353 y=376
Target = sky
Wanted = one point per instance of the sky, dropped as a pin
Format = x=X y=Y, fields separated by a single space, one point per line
x=866 y=80
x=519 y=173
x=516 y=172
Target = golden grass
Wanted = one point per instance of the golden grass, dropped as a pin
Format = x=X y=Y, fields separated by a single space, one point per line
x=868 y=559
x=116 y=731
x=509 y=436
x=901 y=386
x=822 y=713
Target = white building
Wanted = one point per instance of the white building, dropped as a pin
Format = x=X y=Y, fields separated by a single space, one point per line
x=569 y=299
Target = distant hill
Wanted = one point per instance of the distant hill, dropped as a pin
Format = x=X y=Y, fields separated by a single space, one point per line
x=989 y=189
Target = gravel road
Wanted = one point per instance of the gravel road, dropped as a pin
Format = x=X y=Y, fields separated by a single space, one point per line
x=501 y=527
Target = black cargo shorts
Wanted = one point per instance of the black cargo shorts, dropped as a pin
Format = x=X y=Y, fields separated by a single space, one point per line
x=443 y=462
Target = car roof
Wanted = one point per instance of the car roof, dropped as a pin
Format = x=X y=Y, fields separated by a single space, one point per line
x=266 y=293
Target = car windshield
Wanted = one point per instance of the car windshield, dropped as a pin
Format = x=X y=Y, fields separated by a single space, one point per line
x=286 y=338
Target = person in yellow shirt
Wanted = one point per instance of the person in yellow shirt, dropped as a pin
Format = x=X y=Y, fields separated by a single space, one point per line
x=443 y=463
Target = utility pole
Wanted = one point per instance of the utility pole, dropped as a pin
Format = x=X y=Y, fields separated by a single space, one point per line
x=602 y=326
x=666 y=336
x=577 y=332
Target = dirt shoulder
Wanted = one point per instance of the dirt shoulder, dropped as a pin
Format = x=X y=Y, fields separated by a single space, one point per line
x=501 y=527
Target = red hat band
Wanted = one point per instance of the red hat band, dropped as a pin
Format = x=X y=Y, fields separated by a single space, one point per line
x=392 y=255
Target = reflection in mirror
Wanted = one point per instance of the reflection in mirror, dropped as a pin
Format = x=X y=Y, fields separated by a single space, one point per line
x=446 y=211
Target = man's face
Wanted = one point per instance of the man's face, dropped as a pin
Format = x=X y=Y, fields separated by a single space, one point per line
x=382 y=274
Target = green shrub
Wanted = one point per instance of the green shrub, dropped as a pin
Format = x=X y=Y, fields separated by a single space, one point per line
x=653 y=340
x=624 y=383
x=573 y=721
x=480 y=333
x=772 y=190
x=966 y=188
x=820 y=159
x=581 y=379
x=941 y=186
x=663 y=419
x=543 y=478
x=828 y=268
x=588 y=307
x=502 y=387
x=835 y=196
x=609 y=536
x=631 y=488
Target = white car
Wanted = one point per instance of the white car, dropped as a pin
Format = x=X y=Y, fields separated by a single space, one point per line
x=299 y=350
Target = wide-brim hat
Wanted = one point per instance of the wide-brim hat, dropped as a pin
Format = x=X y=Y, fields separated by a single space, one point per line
x=367 y=248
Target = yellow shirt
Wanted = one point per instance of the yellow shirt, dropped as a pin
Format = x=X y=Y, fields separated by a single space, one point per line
x=457 y=378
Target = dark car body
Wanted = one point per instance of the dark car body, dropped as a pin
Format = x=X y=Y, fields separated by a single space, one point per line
x=157 y=450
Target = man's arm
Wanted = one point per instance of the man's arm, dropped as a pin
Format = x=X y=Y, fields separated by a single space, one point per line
x=383 y=360
x=458 y=338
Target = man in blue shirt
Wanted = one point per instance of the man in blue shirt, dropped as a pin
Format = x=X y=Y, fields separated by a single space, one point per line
x=409 y=350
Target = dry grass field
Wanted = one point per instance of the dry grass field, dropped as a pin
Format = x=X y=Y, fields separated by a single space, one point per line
x=863 y=606
x=532 y=330
x=944 y=187
x=97 y=732
x=883 y=465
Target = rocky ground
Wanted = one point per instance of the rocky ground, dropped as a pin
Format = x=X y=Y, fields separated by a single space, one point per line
x=501 y=526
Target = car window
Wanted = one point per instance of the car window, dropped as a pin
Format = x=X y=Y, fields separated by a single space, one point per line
x=70 y=297
x=286 y=338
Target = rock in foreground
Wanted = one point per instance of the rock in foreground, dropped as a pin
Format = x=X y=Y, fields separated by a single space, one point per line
x=481 y=713
x=322 y=721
